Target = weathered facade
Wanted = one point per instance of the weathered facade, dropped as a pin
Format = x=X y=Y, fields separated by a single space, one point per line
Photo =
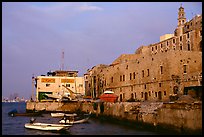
x=157 y=71
x=57 y=83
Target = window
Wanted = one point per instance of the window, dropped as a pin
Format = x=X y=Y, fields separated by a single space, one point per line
x=167 y=43
x=152 y=48
x=180 y=38
x=159 y=84
x=188 y=35
x=155 y=94
x=123 y=77
x=149 y=93
x=147 y=72
x=133 y=75
x=145 y=86
x=120 y=78
x=142 y=73
x=141 y=94
x=164 y=93
x=181 y=47
x=161 y=69
x=184 y=69
x=130 y=76
x=67 y=85
x=174 y=41
x=189 y=47
x=47 y=85
x=161 y=45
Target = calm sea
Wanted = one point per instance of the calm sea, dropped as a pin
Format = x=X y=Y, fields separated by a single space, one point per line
x=15 y=125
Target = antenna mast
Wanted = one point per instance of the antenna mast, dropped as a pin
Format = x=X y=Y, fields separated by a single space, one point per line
x=62 y=61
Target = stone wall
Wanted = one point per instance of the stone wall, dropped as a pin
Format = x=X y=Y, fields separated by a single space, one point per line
x=185 y=117
x=53 y=106
x=179 y=116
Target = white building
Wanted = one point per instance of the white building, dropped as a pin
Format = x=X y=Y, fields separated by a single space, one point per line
x=57 y=84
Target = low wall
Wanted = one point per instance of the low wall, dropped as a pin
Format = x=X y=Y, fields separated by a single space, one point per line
x=53 y=106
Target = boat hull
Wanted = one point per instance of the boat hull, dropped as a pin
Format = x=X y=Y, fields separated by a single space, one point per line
x=62 y=115
x=47 y=127
x=75 y=121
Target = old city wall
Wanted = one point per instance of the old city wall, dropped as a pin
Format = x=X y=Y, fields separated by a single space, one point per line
x=178 y=116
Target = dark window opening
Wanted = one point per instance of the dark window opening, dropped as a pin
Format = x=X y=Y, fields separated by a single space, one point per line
x=189 y=48
x=180 y=38
x=147 y=72
x=184 y=68
x=133 y=75
x=161 y=69
x=164 y=93
x=155 y=94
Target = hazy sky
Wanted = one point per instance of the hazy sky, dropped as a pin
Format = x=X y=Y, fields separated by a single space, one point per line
x=34 y=34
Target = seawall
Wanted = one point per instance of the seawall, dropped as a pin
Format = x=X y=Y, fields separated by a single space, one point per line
x=181 y=117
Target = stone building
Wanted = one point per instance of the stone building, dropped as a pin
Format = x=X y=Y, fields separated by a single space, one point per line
x=155 y=72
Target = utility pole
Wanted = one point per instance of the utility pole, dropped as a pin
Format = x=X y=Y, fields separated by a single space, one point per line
x=62 y=60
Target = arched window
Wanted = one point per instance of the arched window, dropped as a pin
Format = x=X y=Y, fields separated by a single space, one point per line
x=189 y=46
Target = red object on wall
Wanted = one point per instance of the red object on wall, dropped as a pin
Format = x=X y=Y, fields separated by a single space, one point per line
x=109 y=97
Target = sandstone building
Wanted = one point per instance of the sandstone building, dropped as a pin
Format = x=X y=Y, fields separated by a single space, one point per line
x=154 y=72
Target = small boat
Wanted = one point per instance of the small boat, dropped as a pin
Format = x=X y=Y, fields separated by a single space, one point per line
x=72 y=120
x=47 y=127
x=26 y=114
x=62 y=114
x=14 y=113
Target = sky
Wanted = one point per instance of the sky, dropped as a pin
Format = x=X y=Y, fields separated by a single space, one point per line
x=35 y=34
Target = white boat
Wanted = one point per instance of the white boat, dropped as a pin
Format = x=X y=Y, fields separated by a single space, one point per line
x=72 y=120
x=62 y=114
x=57 y=114
x=46 y=126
